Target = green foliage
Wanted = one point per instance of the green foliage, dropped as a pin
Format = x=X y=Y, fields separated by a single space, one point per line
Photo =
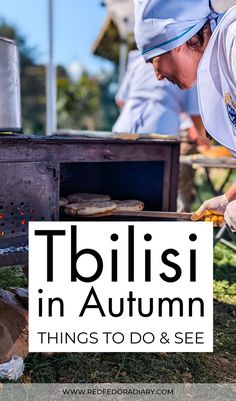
x=225 y=292
x=224 y=274
x=108 y=112
x=86 y=104
x=224 y=256
x=78 y=102
x=12 y=277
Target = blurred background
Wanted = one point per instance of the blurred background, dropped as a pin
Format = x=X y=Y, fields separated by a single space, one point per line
x=73 y=55
x=72 y=52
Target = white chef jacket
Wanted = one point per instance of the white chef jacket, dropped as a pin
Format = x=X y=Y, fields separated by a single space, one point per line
x=217 y=82
x=152 y=106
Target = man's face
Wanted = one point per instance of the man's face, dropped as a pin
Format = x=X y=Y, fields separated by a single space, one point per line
x=179 y=66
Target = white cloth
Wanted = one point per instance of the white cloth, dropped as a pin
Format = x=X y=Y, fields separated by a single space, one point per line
x=230 y=215
x=222 y=5
x=163 y=25
x=152 y=106
x=13 y=369
x=217 y=82
x=123 y=91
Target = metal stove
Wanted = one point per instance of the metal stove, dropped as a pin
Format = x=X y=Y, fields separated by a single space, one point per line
x=35 y=171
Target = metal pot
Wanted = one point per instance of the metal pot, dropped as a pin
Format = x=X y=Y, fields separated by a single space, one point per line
x=10 y=104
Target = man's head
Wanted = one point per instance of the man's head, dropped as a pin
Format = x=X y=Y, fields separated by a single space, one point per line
x=173 y=36
x=180 y=64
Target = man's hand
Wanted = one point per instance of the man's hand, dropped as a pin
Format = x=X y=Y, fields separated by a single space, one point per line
x=230 y=215
x=215 y=205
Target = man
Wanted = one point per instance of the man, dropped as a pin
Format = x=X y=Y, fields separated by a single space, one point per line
x=150 y=106
x=187 y=42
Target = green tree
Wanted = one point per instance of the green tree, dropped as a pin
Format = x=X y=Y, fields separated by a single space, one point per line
x=86 y=104
x=108 y=111
x=78 y=102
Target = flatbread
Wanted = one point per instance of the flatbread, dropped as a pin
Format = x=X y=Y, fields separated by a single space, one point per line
x=63 y=202
x=130 y=205
x=89 y=208
x=83 y=196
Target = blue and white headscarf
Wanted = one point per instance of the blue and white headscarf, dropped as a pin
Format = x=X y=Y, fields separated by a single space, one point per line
x=163 y=25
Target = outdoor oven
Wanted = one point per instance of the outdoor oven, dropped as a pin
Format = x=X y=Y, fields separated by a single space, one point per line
x=36 y=171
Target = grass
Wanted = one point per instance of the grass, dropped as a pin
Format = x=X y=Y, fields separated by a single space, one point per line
x=12 y=277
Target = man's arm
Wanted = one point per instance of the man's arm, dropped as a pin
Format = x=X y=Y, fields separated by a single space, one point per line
x=231 y=193
x=200 y=135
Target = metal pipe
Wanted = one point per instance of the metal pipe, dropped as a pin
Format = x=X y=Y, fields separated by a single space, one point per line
x=51 y=76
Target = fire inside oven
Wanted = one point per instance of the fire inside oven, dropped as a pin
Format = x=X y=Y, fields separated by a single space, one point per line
x=26 y=195
x=17 y=222
x=122 y=181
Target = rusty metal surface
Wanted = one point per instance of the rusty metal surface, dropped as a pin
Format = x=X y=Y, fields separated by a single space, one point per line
x=27 y=193
x=73 y=149
x=79 y=138
x=160 y=215
x=35 y=169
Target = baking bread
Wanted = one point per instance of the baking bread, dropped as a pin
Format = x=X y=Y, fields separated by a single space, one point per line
x=130 y=205
x=63 y=202
x=89 y=208
x=83 y=196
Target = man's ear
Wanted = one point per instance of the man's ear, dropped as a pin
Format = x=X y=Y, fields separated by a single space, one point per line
x=152 y=60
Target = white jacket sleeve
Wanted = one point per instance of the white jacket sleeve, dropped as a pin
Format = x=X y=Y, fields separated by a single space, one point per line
x=230 y=215
x=231 y=50
x=192 y=102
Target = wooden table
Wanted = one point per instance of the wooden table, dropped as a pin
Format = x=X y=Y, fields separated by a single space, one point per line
x=200 y=161
x=228 y=163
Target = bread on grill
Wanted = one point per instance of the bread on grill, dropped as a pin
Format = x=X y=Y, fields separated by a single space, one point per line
x=63 y=202
x=89 y=208
x=130 y=205
x=83 y=196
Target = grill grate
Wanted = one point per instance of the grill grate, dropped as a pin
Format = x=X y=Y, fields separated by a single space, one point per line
x=14 y=218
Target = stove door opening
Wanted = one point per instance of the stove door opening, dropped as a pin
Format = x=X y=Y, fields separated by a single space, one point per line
x=142 y=181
